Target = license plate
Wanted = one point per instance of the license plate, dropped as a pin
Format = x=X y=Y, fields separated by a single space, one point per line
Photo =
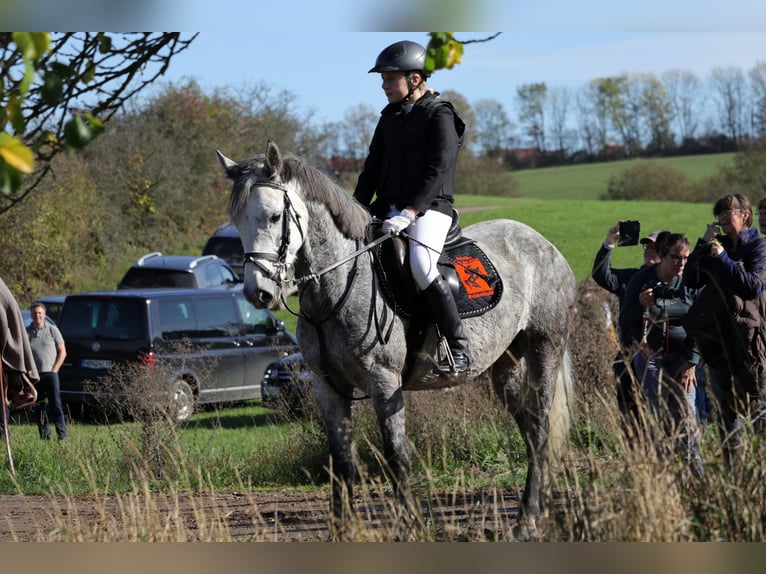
x=96 y=363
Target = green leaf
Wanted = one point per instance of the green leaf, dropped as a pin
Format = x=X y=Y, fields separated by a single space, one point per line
x=96 y=125
x=10 y=179
x=32 y=45
x=89 y=73
x=80 y=131
x=16 y=154
x=15 y=115
x=52 y=88
x=104 y=43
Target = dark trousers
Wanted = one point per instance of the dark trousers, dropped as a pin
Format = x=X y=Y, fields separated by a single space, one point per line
x=48 y=390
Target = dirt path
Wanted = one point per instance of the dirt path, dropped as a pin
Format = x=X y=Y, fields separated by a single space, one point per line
x=265 y=516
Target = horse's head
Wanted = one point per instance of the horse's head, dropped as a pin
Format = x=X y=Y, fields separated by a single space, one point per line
x=271 y=217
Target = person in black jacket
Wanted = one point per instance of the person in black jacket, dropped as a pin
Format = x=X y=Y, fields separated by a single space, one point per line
x=410 y=171
x=616 y=281
x=665 y=356
x=731 y=266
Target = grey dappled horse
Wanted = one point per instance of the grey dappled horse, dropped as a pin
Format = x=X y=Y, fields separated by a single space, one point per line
x=293 y=219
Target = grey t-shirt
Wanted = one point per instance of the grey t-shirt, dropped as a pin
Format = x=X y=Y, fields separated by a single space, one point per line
x=43 y=343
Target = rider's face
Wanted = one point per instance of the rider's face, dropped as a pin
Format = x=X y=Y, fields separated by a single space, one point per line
x=395 y=86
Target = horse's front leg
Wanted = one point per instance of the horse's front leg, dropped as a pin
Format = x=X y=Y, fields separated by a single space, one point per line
x=336 y=413
x=388 y=401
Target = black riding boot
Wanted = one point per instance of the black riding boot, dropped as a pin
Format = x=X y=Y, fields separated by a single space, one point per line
x=442 y=305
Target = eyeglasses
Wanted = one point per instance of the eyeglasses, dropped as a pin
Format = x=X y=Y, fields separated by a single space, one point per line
x=727 y=213
x=678 y=258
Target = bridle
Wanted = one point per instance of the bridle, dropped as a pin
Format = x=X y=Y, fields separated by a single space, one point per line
x=282 y=271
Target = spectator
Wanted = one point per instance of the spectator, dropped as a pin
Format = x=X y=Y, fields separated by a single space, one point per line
x=616 y=281
x=49 y=351
x=729 y=319
x=655 y=302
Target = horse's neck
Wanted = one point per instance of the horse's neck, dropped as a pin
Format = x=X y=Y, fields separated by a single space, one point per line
x=326 y=245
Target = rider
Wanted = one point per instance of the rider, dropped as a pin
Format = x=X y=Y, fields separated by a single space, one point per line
x=410 y=169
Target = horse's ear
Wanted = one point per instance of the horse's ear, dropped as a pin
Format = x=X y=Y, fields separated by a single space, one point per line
x=273 y=160
x=229 y=166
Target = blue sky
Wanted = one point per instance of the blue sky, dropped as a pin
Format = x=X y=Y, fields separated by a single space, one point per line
x=327 y=71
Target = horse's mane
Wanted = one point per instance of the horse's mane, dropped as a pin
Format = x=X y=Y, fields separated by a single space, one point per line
x=350 y=217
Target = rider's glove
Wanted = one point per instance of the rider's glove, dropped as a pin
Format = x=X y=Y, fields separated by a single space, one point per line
x=396 y=224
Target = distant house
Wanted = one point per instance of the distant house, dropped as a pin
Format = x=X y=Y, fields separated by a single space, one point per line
x=338 y=165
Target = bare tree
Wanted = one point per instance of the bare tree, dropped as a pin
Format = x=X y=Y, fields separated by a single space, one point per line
x=657 y=112
x=728 y=85
x=531 y=101
x=356 y=131
x=757 y=76
x=595 y=115
x=494 y=130
x=683 y=89
x=558 y=105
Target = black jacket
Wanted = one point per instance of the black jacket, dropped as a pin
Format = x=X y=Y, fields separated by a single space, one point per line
x=412 y=158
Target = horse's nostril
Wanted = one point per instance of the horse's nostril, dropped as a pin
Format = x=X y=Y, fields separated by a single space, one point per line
x=266 y=299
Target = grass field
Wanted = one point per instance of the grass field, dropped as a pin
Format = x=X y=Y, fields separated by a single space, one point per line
x=589 y=181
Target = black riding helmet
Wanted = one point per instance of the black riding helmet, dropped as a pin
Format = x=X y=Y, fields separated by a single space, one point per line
x=404 y=56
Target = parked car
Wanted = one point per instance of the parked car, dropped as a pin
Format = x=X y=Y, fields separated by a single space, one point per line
x=155 y=270
x=53 y=305
x=210 y=345
x=226 y=244
x=286 y=384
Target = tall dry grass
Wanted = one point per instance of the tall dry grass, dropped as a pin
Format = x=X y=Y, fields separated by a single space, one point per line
x=469 y=465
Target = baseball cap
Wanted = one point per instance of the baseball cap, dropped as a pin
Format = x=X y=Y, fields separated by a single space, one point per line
x=652 y=237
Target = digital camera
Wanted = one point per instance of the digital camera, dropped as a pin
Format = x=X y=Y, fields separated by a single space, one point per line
x=661 y=291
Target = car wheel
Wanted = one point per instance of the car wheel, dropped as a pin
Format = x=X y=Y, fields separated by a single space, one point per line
x=183 y=400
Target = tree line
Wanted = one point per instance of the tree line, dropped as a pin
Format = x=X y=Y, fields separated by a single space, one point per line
x=630 y=115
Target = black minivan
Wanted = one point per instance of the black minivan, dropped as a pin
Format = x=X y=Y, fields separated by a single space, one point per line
x=213 y=346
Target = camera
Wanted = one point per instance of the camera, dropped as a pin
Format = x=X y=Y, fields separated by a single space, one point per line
x=629 y=231
x=661 y=291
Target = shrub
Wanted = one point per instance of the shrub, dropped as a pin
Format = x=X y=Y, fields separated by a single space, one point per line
x=649 y=182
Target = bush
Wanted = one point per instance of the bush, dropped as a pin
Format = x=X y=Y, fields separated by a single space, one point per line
x=484 y=176
x=649 y=182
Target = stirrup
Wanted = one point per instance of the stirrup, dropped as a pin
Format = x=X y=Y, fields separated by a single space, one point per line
x=449 y=364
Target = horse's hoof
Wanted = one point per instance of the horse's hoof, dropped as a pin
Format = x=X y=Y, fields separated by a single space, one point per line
x=526 y=531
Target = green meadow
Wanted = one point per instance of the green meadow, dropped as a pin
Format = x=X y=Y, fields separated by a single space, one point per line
x=589 y=181
x=562 y=203
x=578 y=227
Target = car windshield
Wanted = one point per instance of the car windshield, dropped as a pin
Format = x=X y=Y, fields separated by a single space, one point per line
x=139 y=278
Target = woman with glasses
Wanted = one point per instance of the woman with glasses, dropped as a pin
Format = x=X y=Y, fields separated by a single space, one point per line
x=665 y=357
x=731 y=265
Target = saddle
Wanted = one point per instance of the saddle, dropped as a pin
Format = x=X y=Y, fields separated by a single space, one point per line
x=474 y=281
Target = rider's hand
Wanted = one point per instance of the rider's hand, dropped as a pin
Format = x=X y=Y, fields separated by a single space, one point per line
x=396 y=224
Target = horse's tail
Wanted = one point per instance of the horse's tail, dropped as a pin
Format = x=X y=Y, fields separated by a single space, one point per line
x=560 y=416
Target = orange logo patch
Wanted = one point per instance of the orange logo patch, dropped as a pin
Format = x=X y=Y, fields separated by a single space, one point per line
x=472 y=273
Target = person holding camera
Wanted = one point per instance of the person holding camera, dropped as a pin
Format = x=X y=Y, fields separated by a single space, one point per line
x=729 y=320
x=665 y=356
x=616 y=281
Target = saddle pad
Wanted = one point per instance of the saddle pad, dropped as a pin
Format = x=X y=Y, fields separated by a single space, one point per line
x=480 y=285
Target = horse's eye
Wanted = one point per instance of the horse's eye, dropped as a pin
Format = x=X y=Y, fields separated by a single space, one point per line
x=274 y=218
